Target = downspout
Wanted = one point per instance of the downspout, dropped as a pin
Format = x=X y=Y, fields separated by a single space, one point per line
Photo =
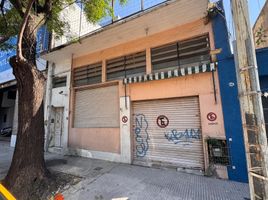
x=49 y=106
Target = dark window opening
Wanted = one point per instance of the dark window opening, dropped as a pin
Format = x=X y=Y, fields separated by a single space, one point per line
x=59 y=82
x=125 y=66
x=5 y=118
x=218 y=152
x=90 y=74
x=187 y=53
x=11 y=94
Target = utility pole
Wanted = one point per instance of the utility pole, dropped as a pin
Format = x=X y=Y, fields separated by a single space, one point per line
x=250 y=102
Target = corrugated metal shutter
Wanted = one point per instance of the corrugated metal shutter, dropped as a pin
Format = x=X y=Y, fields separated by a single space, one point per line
x=179 y=144
x=97 y=108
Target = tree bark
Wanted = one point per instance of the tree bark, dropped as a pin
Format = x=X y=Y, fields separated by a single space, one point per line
x=28 y=164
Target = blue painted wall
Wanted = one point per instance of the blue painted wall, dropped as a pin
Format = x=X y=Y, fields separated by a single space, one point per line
x=237 y=170
x=262 y=59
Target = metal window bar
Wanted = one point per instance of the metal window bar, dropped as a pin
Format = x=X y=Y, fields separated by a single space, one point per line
x=184 y=53
x=90 y=74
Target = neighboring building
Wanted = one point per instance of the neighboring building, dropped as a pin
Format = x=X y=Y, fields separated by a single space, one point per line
x=8 y=90
x=260 y=28
x=145 y=90
x=260 y=32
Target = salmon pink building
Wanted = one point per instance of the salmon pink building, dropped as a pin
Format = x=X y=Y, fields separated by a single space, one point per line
x=143 y=90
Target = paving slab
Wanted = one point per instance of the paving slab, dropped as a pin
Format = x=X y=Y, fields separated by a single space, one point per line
x=102 y=180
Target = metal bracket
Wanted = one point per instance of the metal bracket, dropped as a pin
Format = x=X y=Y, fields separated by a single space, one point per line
x=250 y=93
x=247 y=68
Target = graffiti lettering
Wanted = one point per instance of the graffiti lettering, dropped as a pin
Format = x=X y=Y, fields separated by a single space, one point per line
x=141 y=135
x=186 y=136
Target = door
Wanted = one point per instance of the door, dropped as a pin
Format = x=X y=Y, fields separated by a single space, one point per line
x=168 y=133
x=56 y=126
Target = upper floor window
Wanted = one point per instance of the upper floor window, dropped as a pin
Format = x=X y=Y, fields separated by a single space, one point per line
x=191 y=52
x=130 y=65
x=59 y=82
x=90 y=74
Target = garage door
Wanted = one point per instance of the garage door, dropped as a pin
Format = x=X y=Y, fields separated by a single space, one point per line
x=168 y=133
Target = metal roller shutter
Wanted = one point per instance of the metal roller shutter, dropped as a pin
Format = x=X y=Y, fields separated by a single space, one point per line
x=179 y=144
x=97 y=108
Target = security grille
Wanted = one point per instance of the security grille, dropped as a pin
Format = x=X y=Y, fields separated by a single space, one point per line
x=97 y=108
x=134 y=64
x=90 y=74
x=185 y=53
x=167 y=133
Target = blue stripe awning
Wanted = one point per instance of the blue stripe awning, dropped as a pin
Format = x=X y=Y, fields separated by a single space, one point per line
x=171 y=73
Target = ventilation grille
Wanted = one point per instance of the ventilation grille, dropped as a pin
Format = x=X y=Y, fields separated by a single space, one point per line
x=59 y=81
x=185 y=53
x=87 y=75
x=130 y=65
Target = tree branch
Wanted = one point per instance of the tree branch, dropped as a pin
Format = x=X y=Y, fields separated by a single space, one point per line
x=2 y=4
x=18 y=6
x=23 y=25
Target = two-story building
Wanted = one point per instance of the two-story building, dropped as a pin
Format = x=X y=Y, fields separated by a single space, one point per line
x=145 y=90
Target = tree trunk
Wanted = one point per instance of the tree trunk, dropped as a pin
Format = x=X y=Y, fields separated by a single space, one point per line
x=28 y=164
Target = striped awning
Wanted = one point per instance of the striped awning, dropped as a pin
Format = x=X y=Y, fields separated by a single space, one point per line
x=171 y=74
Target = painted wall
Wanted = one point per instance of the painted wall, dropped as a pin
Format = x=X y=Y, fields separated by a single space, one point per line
x=237 y=171
x=58 y=97
x=178 y=33
x=195 y=85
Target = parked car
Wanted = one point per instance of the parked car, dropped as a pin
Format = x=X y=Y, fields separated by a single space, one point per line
x=6 y=132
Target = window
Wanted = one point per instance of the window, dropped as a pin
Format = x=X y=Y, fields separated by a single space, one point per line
x=90 y=74
x=185 y=53
x=130 y=65
x=59 y=81
x=11 y=94
x=5 y=118
x=218 y=151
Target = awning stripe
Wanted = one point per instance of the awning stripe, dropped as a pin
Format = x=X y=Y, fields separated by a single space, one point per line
x=172 y=73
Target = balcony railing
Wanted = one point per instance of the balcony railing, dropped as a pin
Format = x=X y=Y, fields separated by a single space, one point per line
x=79 y=26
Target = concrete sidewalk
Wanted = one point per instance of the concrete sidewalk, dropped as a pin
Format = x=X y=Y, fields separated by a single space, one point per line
x=103 y=180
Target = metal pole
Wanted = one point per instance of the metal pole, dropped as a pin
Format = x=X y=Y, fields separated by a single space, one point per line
x=250 y=102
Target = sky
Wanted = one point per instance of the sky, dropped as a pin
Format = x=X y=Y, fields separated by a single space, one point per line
x=255 y=7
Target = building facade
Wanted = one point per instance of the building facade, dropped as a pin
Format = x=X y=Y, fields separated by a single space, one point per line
x=141 y=91
x=260 y=28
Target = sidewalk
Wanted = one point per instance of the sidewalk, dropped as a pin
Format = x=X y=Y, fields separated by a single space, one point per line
x=102 y=180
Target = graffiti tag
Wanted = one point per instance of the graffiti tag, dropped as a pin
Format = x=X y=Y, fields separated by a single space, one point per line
x=186 y=136
x=141 y=135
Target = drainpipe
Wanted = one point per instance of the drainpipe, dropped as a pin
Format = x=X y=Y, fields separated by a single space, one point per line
x=48 y=104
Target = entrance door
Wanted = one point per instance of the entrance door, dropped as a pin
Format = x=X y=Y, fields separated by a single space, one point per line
x=57 y=127
x=168 y=133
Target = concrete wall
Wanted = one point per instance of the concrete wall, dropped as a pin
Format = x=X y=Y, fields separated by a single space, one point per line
x=58 y=97
x=237 y=170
